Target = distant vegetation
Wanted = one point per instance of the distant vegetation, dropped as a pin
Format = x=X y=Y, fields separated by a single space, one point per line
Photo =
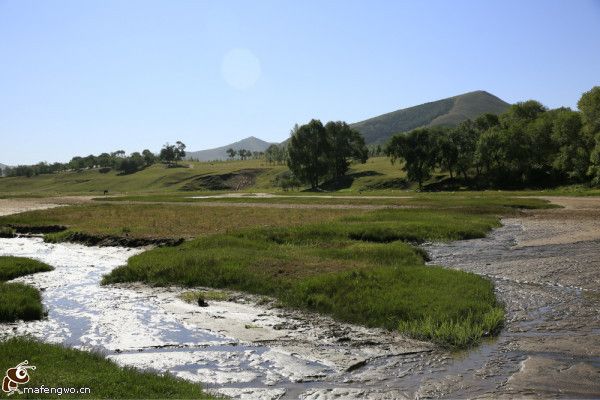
x=118 y=160
x=528 y=145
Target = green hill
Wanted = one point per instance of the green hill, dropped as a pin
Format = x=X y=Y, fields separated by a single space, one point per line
x=448 y=112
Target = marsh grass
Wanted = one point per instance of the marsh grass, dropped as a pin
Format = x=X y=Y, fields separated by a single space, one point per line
x=60 y=367
x=19 y=301
x=13 y=267
x=379 y=282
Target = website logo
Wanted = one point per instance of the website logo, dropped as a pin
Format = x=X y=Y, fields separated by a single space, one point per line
x=16 y=376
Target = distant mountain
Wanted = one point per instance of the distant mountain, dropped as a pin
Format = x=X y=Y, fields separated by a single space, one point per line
x=447 y=112
x=220 y=153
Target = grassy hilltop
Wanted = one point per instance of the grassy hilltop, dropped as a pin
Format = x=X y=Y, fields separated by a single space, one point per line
x=247 y=175
x=446 y=112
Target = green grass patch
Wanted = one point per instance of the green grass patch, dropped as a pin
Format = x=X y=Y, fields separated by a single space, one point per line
x=20 y=301
x=376 y=281
x=60 y=367
x=13 y=267
x=7 y=232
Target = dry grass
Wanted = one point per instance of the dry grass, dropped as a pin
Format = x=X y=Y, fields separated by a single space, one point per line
x=169 y=220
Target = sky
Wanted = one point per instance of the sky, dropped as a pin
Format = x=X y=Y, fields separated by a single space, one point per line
x=86 y=77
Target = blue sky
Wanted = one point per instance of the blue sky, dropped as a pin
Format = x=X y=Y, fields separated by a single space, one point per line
x=83 y=76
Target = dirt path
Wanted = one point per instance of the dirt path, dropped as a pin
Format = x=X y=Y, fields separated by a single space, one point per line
x=18 y=205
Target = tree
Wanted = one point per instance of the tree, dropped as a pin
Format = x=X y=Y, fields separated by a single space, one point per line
x=105 y=160
x=419 y=152
x=243 y=153
x=167 y=154
x=345 y=144
x=231 y=153
x=179 y=151
x=272 y=154
x=149 y=157
x=171 y=154
x=308 y=153
x=589 y=105
x=447 y=150
x=464 y=137
x=573 y=154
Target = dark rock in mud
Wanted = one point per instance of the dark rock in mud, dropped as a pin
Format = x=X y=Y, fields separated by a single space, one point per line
x=202 y=302
x=109 y=240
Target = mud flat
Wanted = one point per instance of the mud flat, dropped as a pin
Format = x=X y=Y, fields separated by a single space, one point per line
x=18 y=205
x=546 y=269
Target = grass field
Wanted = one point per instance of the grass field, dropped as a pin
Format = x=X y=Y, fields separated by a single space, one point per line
x=490 y=200
x=17 y=300
x=167 y=221
x=357 y=269
x=59 y=367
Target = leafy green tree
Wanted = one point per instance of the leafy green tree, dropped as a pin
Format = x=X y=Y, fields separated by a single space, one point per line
x=309 y=153
x=447 y=150
x=231 y=153
x=589 y=105
x=485 y=122
x=573 y=154
x=179 y=151
x=105 y=160
x=167 y=154
x=243 y=153
x=418 y=150
x=491 y=150
x=272 y=154
x=345 y=144
x=77 y=163
x=464 y=138
x=149 y=157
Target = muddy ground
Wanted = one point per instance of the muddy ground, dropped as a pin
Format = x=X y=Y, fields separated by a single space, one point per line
x=545 y=265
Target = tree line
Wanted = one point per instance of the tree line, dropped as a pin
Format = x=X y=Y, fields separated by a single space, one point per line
x=105 y=162
x=527 y=146
x=243 y=154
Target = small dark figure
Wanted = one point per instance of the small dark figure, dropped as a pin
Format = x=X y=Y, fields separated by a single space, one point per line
x=202 y=302
x=106 y=192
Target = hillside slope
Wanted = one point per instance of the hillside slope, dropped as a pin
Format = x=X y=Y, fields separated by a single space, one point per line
x=220 y=153
x=449 y=112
